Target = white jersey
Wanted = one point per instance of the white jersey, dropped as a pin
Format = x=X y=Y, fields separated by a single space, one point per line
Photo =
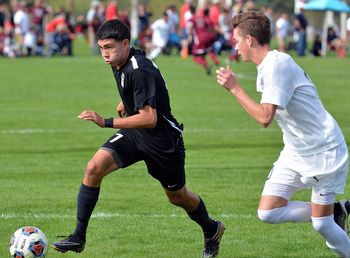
x=161 y=32
x=306 y=125
x=282 y=26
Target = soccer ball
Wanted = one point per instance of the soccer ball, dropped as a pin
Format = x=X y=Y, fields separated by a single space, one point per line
x=28 y=242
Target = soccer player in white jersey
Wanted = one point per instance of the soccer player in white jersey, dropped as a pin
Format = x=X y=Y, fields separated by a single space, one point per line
x=315 y=153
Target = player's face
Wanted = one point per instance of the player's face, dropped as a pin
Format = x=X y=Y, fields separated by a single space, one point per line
x=114 y=52
x=242 y=45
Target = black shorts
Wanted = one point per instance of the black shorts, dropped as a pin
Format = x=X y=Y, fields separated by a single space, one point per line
x=162 y=151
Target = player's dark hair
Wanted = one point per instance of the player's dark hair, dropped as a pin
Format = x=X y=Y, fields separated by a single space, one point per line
x=113 y=29
x=254 y=23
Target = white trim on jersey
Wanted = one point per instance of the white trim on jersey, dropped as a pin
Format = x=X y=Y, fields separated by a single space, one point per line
x=134 y=62
x=173 y=125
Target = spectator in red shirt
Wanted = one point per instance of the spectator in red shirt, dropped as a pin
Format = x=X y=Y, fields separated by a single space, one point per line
x=214 y=12
x=112 y=10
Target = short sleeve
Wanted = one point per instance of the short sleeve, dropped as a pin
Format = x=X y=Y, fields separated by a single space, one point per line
x=144 y=86
x=279 y=86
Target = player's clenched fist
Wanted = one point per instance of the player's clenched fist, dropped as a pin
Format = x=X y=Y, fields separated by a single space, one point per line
x=226 y=78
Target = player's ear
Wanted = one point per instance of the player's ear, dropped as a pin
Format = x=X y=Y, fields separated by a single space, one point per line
x=251 y=40
x=126 y=43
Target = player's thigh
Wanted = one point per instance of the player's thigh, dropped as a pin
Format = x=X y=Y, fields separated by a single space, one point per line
x=123 y=148
x=276 y=195
x=330 y=176
x=167 y=162
x=102 y=162
x=280 y=185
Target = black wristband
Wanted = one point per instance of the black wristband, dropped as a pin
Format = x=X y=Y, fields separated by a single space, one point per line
x=109 y=122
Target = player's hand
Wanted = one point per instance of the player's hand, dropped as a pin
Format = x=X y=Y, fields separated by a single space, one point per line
x=121 y=110
x=92 y=116
x=226 y=78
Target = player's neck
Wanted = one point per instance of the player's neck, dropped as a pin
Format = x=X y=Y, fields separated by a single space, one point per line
x=126 y=56
x=260 y=53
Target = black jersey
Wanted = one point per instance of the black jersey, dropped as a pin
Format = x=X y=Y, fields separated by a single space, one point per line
x=140 y=83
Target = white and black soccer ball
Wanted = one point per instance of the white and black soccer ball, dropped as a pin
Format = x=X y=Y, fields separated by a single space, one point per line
x=28 y=242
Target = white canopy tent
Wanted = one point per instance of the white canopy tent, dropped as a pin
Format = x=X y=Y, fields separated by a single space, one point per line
x=329 y=7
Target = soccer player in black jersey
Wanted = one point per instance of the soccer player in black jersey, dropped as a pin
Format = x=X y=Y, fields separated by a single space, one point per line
x=147 y=131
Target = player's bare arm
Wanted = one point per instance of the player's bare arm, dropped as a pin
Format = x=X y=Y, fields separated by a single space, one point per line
x=146 y=118
x=262 y=113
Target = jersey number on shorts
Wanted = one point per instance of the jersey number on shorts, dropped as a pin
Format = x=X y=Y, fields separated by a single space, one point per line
x=116 y=138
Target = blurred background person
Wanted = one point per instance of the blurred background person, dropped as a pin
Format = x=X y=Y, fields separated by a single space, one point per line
x=160 y=36
x=185 y=15
x=316 y=49
x=2 y=15
x=11 y=48
x=237 y=7
x=336 y=43
x=38 y=13
x=62 y=44
x=203 y=35
x=174 y=38
x=2 y=40
x=249 y=6
x=223 y=40
x=29 y=41
x=94 y=18
x=51 y=27
x=123 y=15
x=81 y=27
x=300 y=24
x=144 y=17
x=22 y=23
x=282 y=31
x=112 y=10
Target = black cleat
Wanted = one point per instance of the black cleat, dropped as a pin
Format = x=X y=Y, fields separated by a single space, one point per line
x=71 y=243
x=208 y=70
x=212 y=245
x=341 y=214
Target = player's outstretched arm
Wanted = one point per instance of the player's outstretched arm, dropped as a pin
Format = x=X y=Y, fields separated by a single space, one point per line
x=146 y=118
x=262 y=113
x=90 y=115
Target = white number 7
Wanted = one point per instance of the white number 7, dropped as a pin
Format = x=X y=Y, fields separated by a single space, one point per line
x=117 y=137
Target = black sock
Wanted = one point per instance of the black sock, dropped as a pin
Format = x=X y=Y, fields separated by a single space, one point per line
x=200 y=215
x=87 y=199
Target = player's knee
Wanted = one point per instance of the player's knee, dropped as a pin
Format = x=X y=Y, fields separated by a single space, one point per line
x=320 y=225
x=269 y=216
x=175 y=200
x=92 y=171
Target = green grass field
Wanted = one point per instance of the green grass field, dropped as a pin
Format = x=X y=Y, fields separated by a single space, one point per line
x=44 y=149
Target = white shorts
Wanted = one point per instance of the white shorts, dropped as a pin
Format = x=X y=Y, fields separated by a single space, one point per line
x=326 y=173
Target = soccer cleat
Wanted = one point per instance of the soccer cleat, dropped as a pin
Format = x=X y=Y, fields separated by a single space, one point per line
x=71 y=243
x=212 y=245
x=341 y=214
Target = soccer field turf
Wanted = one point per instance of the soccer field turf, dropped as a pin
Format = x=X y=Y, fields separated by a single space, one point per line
x=44 y=149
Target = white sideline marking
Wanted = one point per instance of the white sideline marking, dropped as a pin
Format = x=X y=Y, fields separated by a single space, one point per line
x=108 y=215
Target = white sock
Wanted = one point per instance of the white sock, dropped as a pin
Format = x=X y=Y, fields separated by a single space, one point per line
x=294 y=211
x=336 y=238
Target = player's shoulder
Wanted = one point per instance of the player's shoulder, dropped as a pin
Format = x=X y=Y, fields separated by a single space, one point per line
x=138 y=60
x=280 y=59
